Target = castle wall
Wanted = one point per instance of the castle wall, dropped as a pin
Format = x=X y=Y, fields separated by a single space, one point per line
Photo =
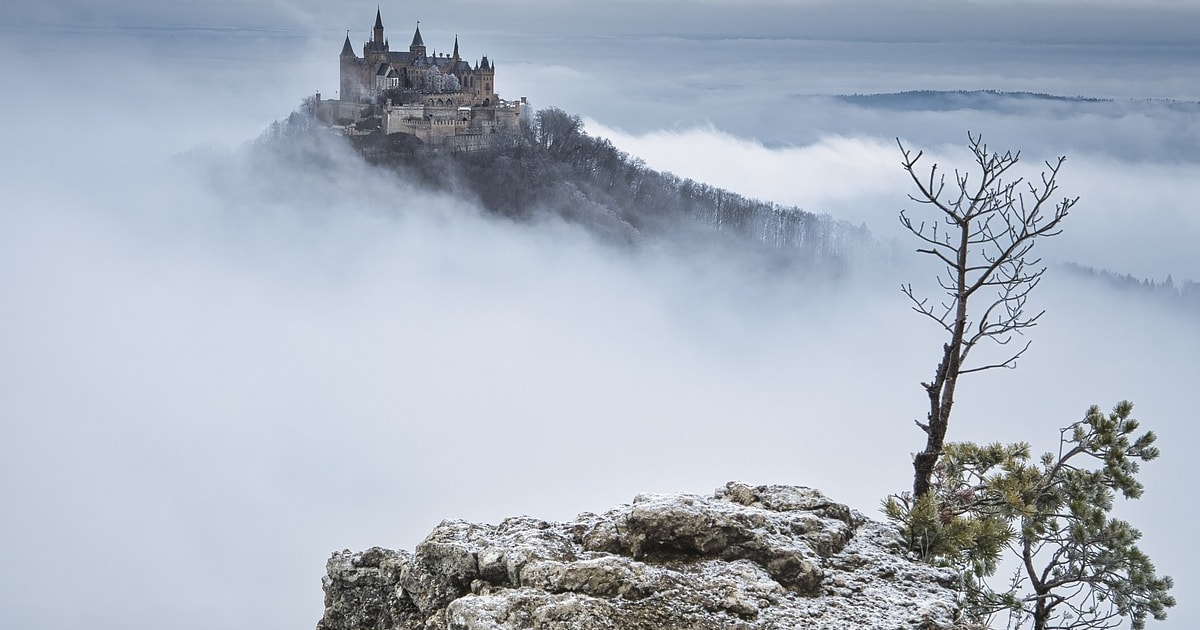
x=356 y=80
x=456 y=127
x=331 y=112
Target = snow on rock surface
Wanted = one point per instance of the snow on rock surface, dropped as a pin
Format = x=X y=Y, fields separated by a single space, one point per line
x=747 y=557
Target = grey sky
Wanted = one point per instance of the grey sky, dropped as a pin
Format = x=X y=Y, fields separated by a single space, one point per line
x=216 y=370
x=1055 y=21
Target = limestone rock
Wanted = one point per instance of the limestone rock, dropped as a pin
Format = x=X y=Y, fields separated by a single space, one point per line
x=747 y=557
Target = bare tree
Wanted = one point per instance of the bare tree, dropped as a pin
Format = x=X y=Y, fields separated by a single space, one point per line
x=983 y=232
x=557 y=131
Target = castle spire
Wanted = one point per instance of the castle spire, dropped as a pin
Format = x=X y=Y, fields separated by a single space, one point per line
x=378 y=27
x=417 y=48
x=347 y=49
x=456 y=57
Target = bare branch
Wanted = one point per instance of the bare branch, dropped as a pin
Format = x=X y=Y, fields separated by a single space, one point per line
x=983 y=230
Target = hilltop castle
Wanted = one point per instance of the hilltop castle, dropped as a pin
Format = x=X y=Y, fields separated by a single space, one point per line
x=441 y=98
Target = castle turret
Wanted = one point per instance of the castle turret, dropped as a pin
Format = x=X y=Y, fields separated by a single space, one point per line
x=417 y=48
x=485 y=81
x=376 y=50
x=350 y=75
x=455 y=55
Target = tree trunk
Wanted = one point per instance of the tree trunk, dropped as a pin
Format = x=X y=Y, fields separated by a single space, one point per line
x=941 y=390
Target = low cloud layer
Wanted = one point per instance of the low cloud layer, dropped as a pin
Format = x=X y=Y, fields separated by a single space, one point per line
x=218 y=368
x=210 y=388
x=1133 y=216
x=223 y=375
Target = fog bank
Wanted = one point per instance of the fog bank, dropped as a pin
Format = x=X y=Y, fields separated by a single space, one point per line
x=218 y=368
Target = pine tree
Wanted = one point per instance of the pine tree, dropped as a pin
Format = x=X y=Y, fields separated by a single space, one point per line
x=1078 y=566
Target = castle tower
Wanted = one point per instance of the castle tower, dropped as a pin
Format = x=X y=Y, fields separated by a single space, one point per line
x=417 y=48
x=349 y=72
x=375 y=51
x=364 y=77
x=485 y=81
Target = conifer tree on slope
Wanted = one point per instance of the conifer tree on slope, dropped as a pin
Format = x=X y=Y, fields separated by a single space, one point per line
x=1077 y=567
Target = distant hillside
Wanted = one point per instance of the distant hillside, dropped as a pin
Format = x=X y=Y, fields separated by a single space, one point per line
x=1183 y=294
x=553 y=168
x=993 y=100
x=942 y=101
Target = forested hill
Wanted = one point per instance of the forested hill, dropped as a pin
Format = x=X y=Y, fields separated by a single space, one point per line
x=1183 y=295
x=945 y=101
x=554 y=168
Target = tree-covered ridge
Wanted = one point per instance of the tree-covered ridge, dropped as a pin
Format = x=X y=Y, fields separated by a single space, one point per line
x=948 y=100
x=552 y=167
x=1017 y=103
x=979 y=100
x=1170 y=292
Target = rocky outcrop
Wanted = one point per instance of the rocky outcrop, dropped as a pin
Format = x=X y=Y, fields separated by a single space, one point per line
x=748 y=557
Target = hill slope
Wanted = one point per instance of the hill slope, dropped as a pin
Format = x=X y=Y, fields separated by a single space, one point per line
x=554 y=169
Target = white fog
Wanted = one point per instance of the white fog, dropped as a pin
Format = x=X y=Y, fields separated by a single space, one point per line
x=215 y=370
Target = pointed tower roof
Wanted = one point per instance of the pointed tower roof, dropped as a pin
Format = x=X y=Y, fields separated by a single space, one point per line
x=347 y=49
x=377 y=35
x=455 y=56
x=485 y=64
x=417 y=41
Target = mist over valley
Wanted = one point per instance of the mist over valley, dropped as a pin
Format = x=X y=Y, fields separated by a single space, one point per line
x=224 y=358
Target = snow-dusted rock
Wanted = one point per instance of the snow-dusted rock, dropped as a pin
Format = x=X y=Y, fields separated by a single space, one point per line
x=748 y=557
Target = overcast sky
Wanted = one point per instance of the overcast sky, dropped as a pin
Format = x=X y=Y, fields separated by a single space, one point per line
x=1163 y=22
x=215 y=370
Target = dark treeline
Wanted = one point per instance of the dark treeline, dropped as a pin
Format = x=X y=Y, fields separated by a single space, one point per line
x=553 y=168
x=953 y=100
x=1184 y=294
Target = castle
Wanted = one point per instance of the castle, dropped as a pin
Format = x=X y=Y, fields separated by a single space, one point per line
x=441 y=98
